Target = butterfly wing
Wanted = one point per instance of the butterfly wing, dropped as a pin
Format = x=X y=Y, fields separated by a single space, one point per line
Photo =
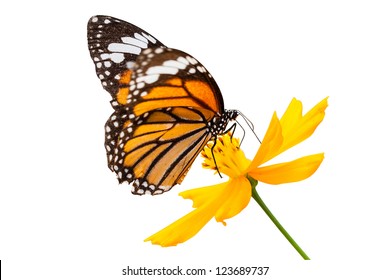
x=155 y=150
x=170 y=100
x=114 y=45
x=167 y=77
x=164 y=102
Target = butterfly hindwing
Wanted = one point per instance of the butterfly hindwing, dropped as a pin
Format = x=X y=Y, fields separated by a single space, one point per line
x=114 y=45
x=156 y=149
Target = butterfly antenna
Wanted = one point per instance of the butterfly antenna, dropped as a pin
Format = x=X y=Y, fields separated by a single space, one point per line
x=243 y=130
x=250 y=124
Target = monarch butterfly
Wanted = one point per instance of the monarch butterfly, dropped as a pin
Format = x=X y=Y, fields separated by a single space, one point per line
x=167 y=105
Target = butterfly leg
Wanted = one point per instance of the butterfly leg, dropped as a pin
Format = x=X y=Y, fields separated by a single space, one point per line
x=212 y=153
x=232 y=128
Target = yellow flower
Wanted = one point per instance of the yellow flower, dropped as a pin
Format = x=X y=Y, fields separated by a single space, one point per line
x=225 y=200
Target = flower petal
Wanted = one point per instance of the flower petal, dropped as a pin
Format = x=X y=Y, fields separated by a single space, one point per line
x=291 y=116
x=240 y=192
x=221 y=201
x=269 y=148
x=183 y=229
x=296 y=128
x=207 y=200
x=202 y=196
x=288 y=172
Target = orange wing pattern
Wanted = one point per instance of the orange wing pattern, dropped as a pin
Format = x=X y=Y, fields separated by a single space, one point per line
x=162 y=78
x=157 y=152
x=167 y=105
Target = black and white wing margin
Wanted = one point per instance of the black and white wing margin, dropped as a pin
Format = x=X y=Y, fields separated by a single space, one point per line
x=114 y=45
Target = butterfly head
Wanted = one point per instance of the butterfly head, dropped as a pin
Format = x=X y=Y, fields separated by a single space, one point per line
x=231 y=114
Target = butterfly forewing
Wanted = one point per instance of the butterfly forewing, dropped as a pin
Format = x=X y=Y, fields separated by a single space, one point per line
x=116 y=123
x=114 y=45
x=165 y=77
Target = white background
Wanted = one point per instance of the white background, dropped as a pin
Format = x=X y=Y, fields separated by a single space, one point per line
x=62 y=213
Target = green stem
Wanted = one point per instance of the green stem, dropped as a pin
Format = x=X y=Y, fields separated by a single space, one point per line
x=256 y=196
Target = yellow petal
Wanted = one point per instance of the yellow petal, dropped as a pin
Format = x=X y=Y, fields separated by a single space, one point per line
x=291 y=116
x=206 y=200
x=296 y=128
x=288 y=172
x=204 y=195
x=184 y=228
x=221 y=201
x=271 y=144
x=240 y=192
x=229 y=198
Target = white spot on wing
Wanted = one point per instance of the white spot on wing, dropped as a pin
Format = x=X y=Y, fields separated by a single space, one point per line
x=182 y=60
x=175 y=64
x=162 y=70
x=140 y=37
x=140 y=191
x=150 y=38
x=201 y=69
x=124 y=48
x=115 y=57
x=130 y=64
x=148 y=78
x=135 y=42
x=192 y=60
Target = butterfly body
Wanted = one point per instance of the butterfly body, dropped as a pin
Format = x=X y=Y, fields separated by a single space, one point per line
x=167 y=105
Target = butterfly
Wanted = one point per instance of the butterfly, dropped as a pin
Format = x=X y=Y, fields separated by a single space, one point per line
x=167 y=106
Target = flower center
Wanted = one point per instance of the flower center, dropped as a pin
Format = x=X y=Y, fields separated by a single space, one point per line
x=225 y=153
